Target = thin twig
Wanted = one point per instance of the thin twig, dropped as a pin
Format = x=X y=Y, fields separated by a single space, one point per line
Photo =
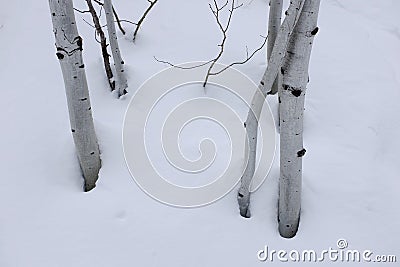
x=128 y=21
x=103 y=26
x=82 y=11
x=183 y=68
x=95 y=32
x=118 y=21
x=243 y=61
x=90 y=24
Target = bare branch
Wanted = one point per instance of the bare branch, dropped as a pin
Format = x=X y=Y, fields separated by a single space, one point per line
x=243 y=61
x=81 y=11
x=88 y=23
x=222 y=7
x=183 y=68
x=118 y=21
x=128 y=21
x=238 y=6
x=223 y=30
x=216 y=9
x=152 y=3
x=230 y=16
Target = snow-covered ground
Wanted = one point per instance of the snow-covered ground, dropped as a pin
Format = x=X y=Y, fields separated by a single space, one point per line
x=351 y=171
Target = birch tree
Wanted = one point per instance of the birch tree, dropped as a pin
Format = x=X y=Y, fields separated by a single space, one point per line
x=292 y=94
x=274 y=22
x=120 y=82
x=251 y=124
x=69 y=54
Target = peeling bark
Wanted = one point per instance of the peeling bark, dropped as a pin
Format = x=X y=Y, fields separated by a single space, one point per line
x=292 y=95
x=121 y=83
x=69 y=54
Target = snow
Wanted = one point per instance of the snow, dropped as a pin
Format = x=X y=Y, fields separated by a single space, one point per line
x=351 y=136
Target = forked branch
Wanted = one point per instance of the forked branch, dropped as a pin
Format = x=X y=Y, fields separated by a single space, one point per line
x=216 y=11
x=139 y=23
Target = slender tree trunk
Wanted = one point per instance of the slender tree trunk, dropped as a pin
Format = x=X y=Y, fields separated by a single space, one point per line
x=69 y=54
x=292 y=94
x=274 y=22
x=251 y=124
x=121 y=82
x=103 y=44
x=152 y=3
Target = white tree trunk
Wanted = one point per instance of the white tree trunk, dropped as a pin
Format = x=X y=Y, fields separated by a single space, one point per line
x=121 y=82
x=251 y=124
x=274 y=22
x=292 y=94
x=69 y=54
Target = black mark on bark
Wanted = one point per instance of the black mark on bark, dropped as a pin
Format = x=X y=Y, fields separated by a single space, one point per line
x=314 y=32
x=296 y=92
x=59 y=55
x=301 y=153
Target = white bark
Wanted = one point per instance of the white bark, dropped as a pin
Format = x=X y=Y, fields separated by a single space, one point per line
x=274 y=22
x=292 y=94
x=69 y=54
x=251 y=124
x=121 y=82
x=280 y=46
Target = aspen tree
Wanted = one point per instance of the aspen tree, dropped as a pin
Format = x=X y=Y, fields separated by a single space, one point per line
x=251 y=124
x=69 y=54
x=121 y=83
x=292 y=94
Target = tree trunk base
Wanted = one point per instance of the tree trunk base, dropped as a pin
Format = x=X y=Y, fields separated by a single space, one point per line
x=244 y=205
x=287 y=229
x=88 y=187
